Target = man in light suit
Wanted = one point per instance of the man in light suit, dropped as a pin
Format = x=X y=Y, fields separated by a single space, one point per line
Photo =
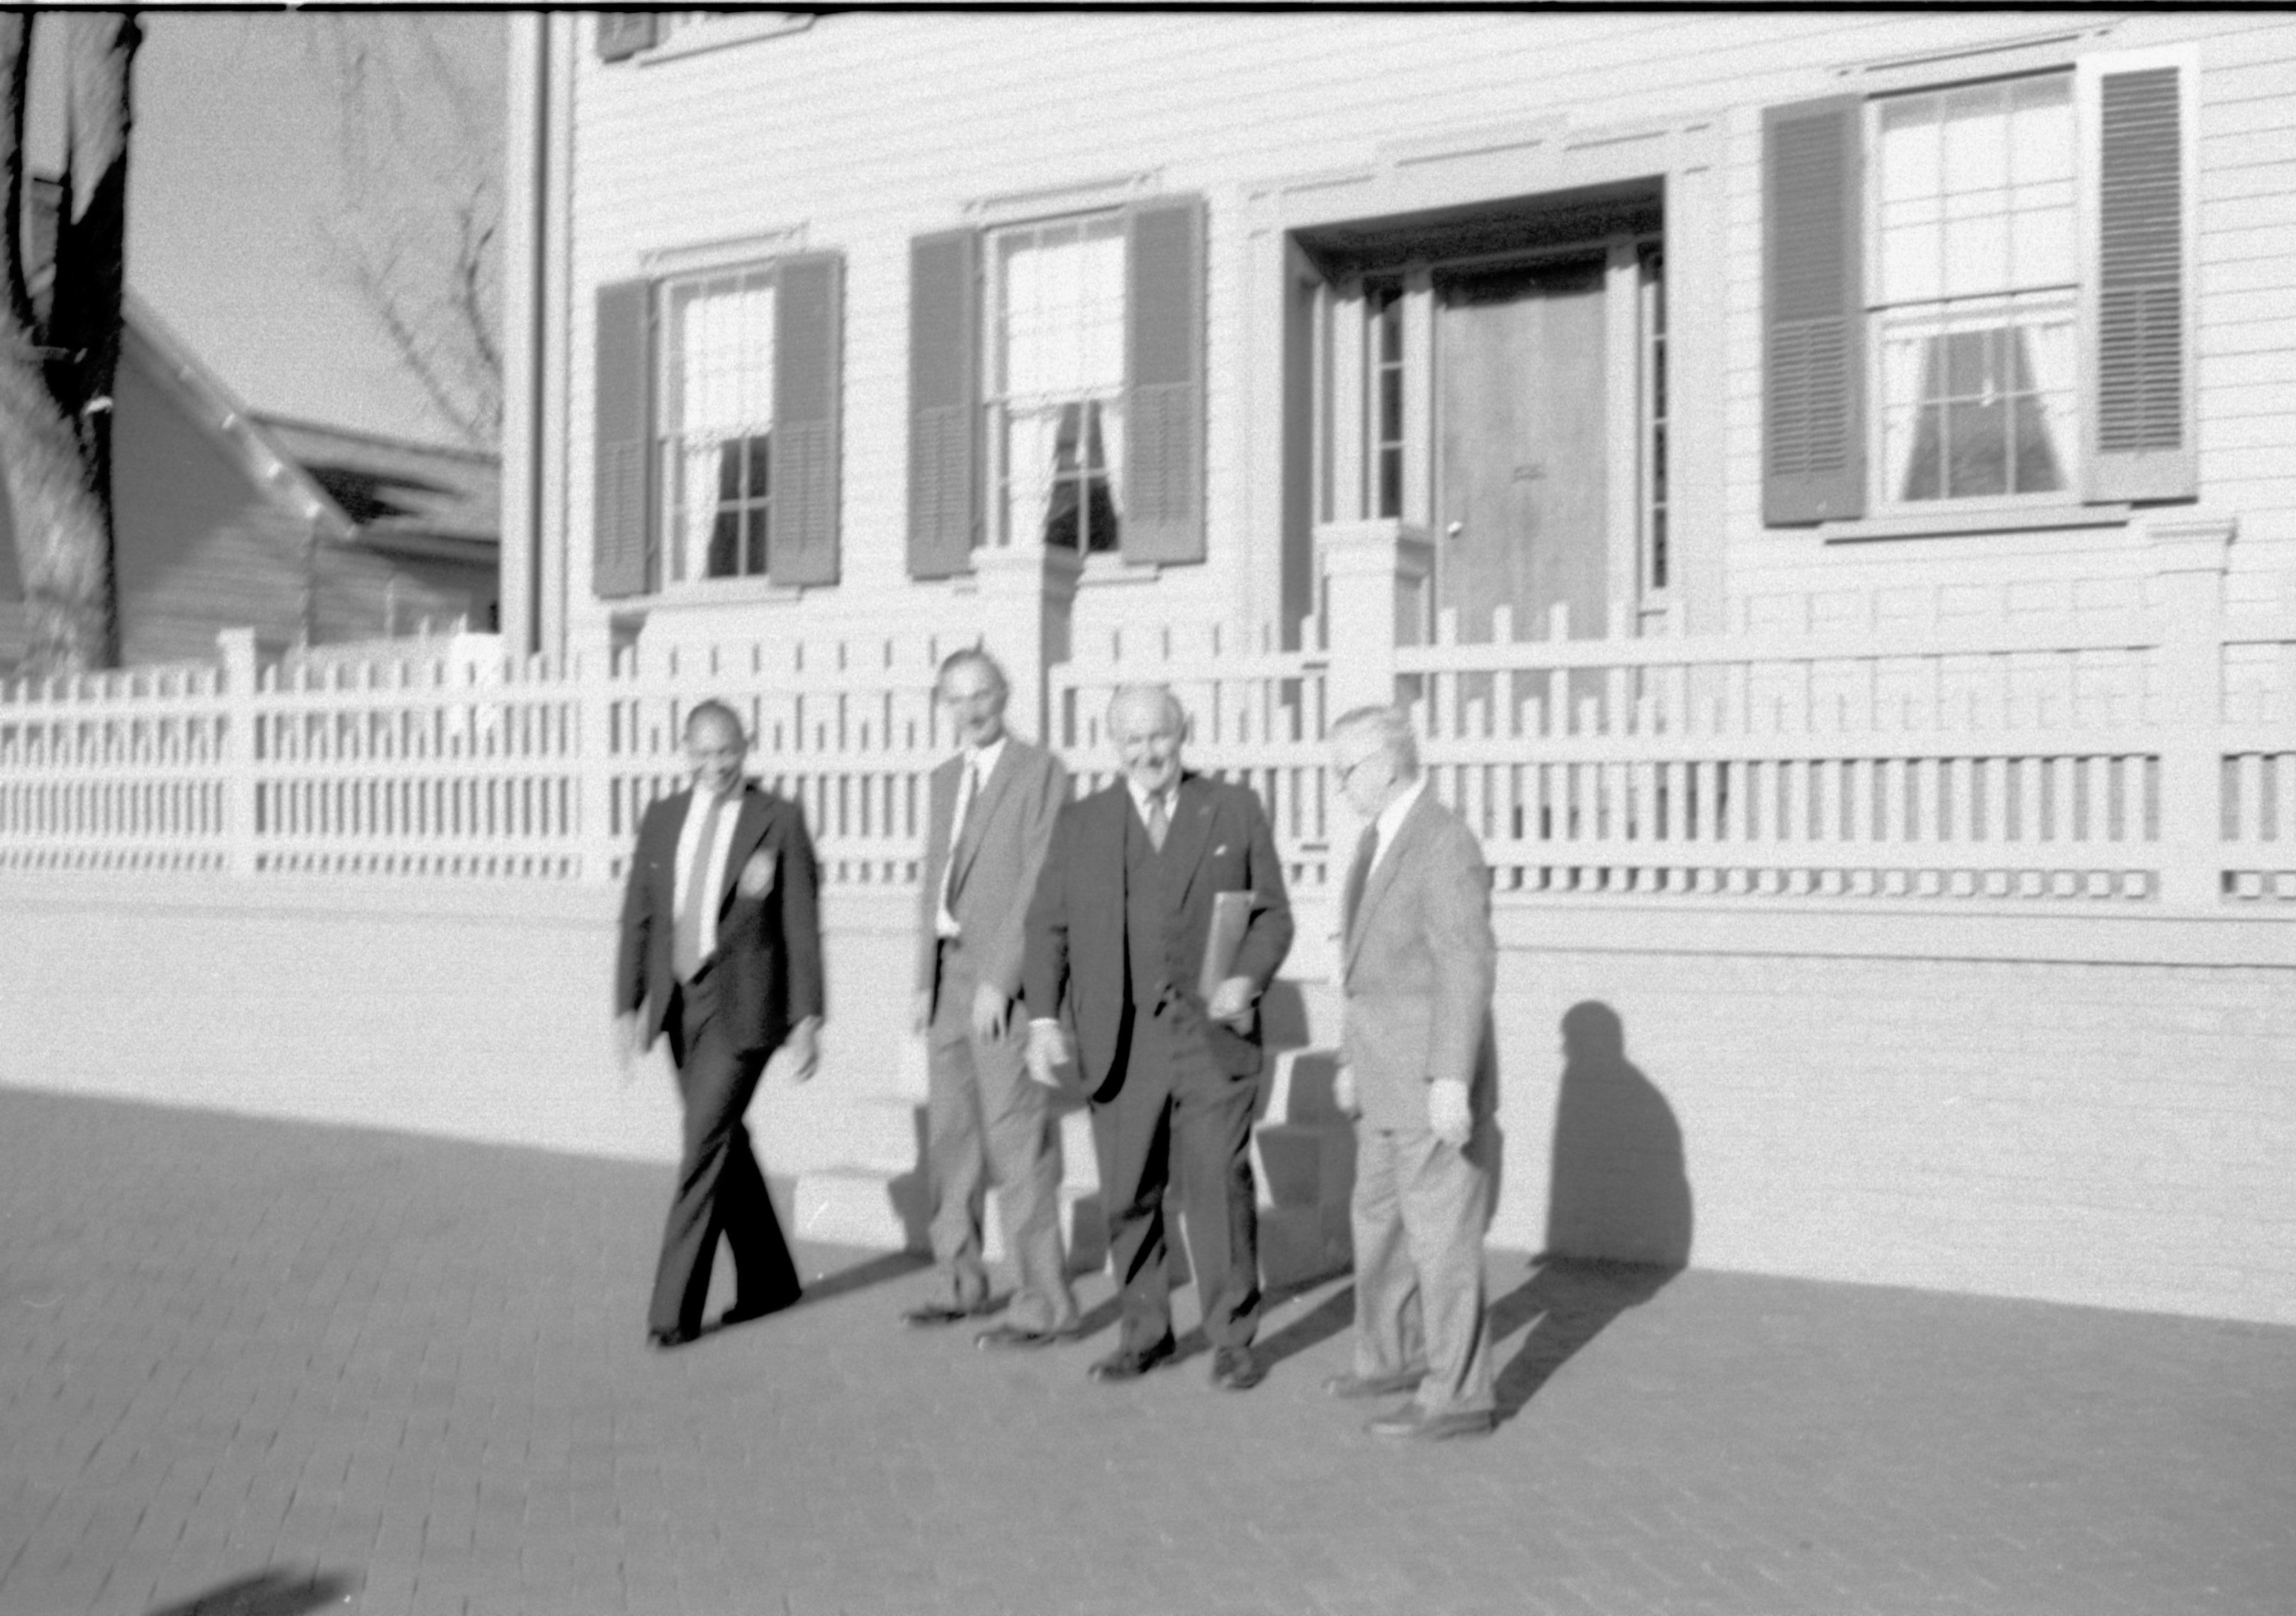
x=1416 y=1070
x=721 y=950
x=1118 y=931
x=992 y=810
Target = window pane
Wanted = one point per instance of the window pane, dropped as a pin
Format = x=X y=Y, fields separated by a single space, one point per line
x=2041 y=129
x=1976 y=255
x=754 y=557
x=2041 y=248
x=729 y=472
x=1979 y=456
x=1976 y=150
x=1910 y=143
x=761 y=466
x=724 y=538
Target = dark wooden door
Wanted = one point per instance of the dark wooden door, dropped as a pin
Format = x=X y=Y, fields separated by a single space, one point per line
x=1522 y=464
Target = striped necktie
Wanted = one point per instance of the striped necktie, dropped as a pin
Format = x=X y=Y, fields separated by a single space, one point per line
x=685 y=945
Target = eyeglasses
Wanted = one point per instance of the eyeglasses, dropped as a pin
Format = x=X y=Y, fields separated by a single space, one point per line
x=1348 y=773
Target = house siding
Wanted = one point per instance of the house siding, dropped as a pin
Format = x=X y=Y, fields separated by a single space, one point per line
x=866 y=130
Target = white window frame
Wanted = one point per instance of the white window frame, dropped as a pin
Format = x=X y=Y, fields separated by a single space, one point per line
x=682 y=570
x=2069 y=445
x=998 y=529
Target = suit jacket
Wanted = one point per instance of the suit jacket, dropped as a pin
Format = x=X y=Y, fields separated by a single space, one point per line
x=1220 y=841
x=1420 y=962
x=766 y=970
x=1007 y=831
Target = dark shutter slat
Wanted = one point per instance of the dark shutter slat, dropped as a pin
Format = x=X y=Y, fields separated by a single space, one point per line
x=2141 y=447
x=944 y=402
x=1813 y=393
x=1162 y=518
x=622 y=556
x=808 y=306
x=624 y=33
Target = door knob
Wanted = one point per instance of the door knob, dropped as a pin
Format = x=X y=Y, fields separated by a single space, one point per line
x=1455 y=529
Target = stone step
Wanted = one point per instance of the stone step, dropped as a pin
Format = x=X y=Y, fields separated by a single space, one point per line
x=1303 y=1164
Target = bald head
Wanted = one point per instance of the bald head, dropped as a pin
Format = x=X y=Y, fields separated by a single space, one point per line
x=1147 y=724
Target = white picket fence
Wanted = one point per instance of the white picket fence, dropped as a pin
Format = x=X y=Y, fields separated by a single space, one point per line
x=2136 y=756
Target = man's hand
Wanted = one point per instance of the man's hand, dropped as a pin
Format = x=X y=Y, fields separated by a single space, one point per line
x=1343 y=1091
x=1231 y=1001
x=629 y=1044
x=802 y=1051
x=1447 y=1115
x=992 y=1013
x=921 y=1012
x=1049 y=1050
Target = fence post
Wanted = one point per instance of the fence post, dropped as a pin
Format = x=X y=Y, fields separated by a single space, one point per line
x=1375 y=579
x=591 y=681
x=236 y=647
x=2189 y=556
x=1026 y=597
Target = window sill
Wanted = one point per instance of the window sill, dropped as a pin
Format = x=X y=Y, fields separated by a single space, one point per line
x=694 y=38
x=1104 y=570
x=721 y=592
x=1973 y=519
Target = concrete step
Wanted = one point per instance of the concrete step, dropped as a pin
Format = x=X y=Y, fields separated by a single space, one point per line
x=1303 y=1163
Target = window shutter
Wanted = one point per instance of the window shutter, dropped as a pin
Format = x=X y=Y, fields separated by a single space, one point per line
x=944 y=402
x=1163 y=510
x=809 y=320
x=623 y=556
x=1814 y=324
x=624 y=33
x=2141 y=433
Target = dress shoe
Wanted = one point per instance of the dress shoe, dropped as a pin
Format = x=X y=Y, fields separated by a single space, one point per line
x=934 y=1314
x=1236 y=1369
x=1124 y=1364
x=663 y=1340
x=1020 y=1335
x=1411 y=1422
x=1354 y=1385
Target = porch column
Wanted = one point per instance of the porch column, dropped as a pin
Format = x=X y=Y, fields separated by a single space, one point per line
x=1025 y=597
x=1375 y=577
x=2190 y=551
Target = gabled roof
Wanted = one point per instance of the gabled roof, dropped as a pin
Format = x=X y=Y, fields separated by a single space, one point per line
x=402 y=494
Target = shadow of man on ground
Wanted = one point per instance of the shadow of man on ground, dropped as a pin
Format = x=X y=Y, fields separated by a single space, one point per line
x=1618 y=1208
x=266 y=1593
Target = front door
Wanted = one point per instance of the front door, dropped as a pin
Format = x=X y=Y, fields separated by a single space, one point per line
x=1522 y=455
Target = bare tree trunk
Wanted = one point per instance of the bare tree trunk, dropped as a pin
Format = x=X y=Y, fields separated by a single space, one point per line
x=59 y=496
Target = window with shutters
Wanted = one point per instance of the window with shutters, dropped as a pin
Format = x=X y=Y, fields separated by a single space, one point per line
x=1973 y=296
x=1055 y=405
x=714 y=448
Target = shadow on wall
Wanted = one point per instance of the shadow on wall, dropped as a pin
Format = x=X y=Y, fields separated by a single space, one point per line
x=1618 y=1192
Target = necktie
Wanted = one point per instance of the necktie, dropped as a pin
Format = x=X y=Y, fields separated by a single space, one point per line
x=966 y=791
x=686 y=945
x=1159 y=821
x=1358 y=873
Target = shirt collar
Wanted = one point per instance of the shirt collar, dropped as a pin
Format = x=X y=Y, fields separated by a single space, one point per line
x=1391 y=817
x=984 y=757
x=1170 y=793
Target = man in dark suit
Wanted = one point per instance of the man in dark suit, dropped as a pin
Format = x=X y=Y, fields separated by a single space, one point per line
x=721 y=950
x=1418 y=967
x=992 y=808
x=1119 y=925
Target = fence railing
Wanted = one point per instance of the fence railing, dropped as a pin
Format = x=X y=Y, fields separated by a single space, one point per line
x=2146 y=755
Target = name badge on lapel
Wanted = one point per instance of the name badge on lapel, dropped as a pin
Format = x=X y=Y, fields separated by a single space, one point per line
x=757 y=877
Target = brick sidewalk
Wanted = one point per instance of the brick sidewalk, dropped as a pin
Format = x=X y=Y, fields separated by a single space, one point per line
x=265 y=1368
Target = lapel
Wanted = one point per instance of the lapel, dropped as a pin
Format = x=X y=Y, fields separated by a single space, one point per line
x=1382 y=873
x=749 y=821
x=976 y=817
x=1191 y=828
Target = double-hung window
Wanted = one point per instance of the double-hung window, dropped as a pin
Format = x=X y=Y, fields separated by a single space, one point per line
x=1056 y=386
x=1973 y=291
x=1056 y=382
x=715 y=442
x=718 y=401
x=1978 y=294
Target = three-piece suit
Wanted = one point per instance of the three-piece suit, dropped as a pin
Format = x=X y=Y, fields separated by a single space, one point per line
x=1117 y=931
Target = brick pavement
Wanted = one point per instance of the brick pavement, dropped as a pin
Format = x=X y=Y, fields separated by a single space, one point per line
x=269 y=1368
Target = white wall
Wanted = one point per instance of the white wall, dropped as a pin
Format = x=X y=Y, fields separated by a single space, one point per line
x=2086 y=1110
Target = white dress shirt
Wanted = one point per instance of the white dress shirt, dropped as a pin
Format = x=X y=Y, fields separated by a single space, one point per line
x=1140 y=800
x=689 y=838
x=1391 y=820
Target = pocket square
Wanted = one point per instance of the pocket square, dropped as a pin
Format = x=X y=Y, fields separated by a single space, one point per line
x=757 y=877
x=1219 y=850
